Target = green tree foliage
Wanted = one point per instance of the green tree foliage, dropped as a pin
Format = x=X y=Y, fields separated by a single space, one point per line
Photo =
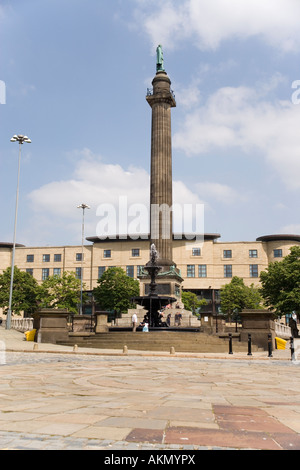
x=191 y=301
x=25 y=291
x=281 y=284
x=61 y=292
x=235 y=296
x=115 y=290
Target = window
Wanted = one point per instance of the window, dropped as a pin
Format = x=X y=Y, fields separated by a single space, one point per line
x=30 y=271
x=228 y=270
x=202 y=272
x=57 y=258
x=130 y=271
x=253 y=270
x=45 y=274
x=277 y=253
x=79 y=257
x=107 y=253
x=30 y=258
x=101 y=271
x=196 y=252
x=78 y=273
x=57 y=272
x=190 y=270
x=227 y=254
x=135 y=252
x=46 y=258
x=252 y=253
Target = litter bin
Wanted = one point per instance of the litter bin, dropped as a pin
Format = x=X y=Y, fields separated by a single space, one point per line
x=280 y=343
x=29 y=335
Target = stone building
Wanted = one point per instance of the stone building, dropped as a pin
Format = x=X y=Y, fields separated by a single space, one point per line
x=204 y=268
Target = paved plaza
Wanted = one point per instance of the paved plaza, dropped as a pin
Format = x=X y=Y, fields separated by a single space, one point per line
x=54 y=397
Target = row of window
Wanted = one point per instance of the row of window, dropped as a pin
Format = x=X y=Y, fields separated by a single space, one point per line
x=135 y=252
x=79 y=271
x=252 y=253
x=56 y=258
x=191 y=271
x=56 y=272
x=202 y=270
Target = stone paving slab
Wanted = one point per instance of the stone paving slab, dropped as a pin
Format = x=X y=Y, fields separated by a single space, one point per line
x=55 y=399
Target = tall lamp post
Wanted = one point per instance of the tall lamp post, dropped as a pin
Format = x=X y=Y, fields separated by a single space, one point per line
x=21 y=139
x=83 y=207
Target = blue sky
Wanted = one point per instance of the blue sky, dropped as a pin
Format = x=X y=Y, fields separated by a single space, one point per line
x=76 y=74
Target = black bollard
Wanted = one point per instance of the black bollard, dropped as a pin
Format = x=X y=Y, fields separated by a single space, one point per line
x=292 y=348
x=230 y=343
x=249 y=345
x=270 y=346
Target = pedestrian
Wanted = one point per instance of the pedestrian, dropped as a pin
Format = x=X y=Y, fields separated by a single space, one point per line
x=134 y=321
x=169 y=319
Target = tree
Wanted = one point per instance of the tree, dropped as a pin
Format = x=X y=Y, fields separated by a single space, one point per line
x=25 y=291
x=115 y=290
x=281 y=284
x=235 y=296
x=191 y=301
x=61 y=292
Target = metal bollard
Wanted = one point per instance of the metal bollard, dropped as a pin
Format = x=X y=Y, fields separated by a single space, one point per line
x=249 y=345
x=292 y=348
x=230 y=343
x=270 y=346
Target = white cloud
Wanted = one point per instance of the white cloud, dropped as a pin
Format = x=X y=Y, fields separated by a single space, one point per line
x=207 y=24
x=189 y=96
x=241 y=118
x=220 y=192
x=93 y=182
x=291 y=228
x=102 y=186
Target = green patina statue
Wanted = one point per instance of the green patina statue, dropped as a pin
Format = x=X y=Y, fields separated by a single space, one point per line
x=159 y=59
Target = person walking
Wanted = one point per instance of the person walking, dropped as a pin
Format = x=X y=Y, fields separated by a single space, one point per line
x=134 y=321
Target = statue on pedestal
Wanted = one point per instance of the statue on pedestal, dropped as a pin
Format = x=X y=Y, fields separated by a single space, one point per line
x=159 y=59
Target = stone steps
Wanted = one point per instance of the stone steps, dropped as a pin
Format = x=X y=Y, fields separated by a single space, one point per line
x=159 y=341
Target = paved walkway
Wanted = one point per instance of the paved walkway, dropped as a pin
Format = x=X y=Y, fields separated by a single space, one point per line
x=56 y=398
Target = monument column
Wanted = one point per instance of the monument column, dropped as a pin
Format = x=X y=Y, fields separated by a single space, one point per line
x=161 y=101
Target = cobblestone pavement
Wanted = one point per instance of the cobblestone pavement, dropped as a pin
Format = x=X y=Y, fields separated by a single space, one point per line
x=58 y=400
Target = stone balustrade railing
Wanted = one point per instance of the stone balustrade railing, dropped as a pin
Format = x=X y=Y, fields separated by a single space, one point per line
x=282 y=331
x=20 y=324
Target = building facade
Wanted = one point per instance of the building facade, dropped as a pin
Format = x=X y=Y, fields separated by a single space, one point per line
x=205 y=266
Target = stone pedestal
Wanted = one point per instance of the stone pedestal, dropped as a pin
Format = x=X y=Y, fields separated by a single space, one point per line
x=51 y=325
x=260 y=324
x=101 y=322
x=210 y=324
x=168 y=283
x=82 y=323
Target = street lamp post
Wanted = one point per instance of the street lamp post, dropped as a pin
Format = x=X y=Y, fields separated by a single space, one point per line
x=83 y=207
x=21 y=139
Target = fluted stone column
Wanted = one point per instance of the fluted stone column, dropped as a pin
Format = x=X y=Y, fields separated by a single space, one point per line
x=161 y=200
